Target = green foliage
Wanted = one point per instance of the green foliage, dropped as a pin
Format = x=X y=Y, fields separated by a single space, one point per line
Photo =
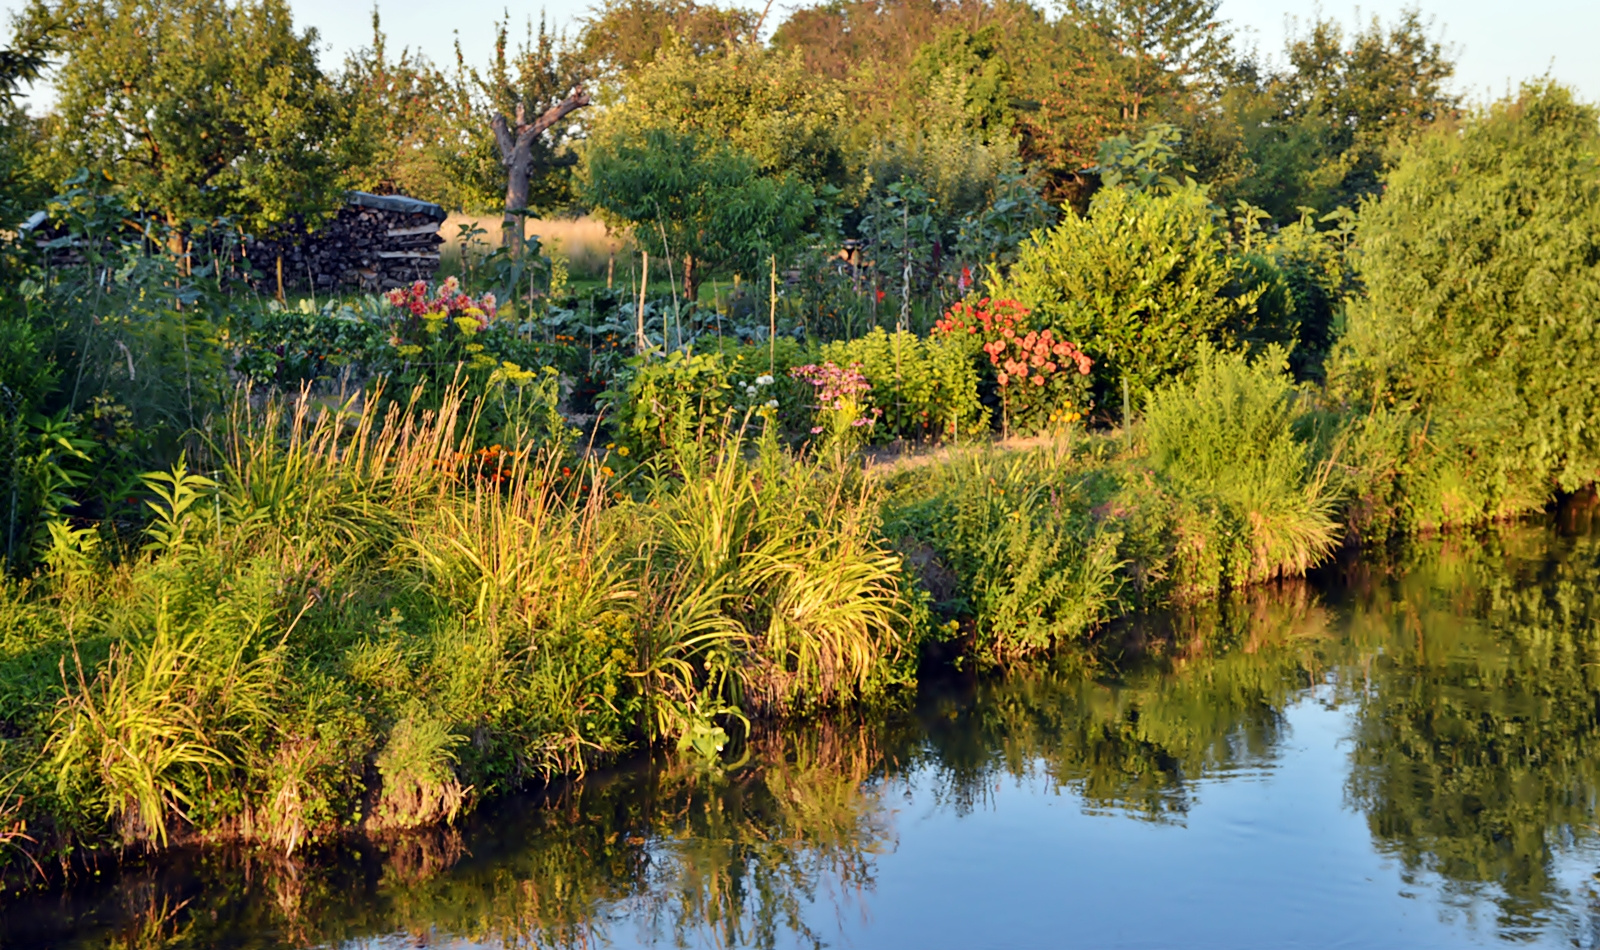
x=1025 y=561
x=1139 y=284
x=1225 y=439
x=196 y=109
x=1148 y=166
x=926 y=388
x=770 y=580
x=357 y=589
x=620 y=36
x=669 y=404
x=1321 y=133
x=1476 y=328
x=757 y=102
x=696 y=198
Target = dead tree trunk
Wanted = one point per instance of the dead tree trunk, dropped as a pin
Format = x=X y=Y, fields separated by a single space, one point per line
x=516 y=154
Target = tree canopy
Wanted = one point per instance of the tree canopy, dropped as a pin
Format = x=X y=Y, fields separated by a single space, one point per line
x=198 y=108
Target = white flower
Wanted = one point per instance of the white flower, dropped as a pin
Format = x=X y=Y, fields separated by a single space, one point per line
x=765 y=379
x=749 y=390
x=772 y=403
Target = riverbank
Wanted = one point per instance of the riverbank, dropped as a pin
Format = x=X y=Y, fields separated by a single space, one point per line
x=1372 y=681
x=360 y=622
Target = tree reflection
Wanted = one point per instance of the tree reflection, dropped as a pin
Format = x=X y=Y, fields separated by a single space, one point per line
x=1186 y=696
x=690 y=855
x=1476 y=749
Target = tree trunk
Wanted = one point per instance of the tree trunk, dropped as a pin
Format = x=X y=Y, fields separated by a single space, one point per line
x=516 y=154
x=691 y=280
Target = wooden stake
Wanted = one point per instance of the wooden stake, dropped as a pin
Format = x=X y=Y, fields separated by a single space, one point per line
x=772 y=321
x=644 y=281
x=280 y=278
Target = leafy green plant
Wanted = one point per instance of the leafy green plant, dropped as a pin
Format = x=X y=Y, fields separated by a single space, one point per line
x=1477 y=330
x=1226 y=438
x=1139 y=283
x=1027 y=565
x=667 y=404
x=134 y=731
x=923 y=387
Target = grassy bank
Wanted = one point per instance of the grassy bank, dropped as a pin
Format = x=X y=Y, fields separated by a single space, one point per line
x=358 y=618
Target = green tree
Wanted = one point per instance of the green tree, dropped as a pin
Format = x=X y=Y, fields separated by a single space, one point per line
x=619 y=36
x=690 y=196
x=1163 y=47
x=197 y=109
x=1320 y=133
x=762 y=102
x=410 y=112
x=1480 y=325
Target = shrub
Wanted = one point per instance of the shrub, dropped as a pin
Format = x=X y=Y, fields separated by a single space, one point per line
x=665 y=404
x=922 y=388
x=1041 y=378
x=1140 y=283
x=1479 y=327
x=1027 y=562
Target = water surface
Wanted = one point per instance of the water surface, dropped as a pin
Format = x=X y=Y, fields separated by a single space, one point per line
x=1402 y=753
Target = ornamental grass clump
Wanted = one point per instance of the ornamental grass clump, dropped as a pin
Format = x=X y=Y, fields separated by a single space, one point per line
x=1225 y=440
x=765 y=587
x=1027 y=565
x=361 y=617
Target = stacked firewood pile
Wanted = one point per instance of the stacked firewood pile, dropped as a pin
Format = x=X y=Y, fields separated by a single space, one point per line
x=376 y=242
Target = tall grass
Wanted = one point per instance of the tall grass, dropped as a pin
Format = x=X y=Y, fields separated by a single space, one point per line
x=1226 y=440
x=356 y=619
x=1029 y=565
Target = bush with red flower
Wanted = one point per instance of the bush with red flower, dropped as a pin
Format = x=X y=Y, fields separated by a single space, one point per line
x=437 y=325
x=1043 y=380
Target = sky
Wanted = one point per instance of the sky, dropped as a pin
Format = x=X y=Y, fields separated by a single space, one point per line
x=1498 y=44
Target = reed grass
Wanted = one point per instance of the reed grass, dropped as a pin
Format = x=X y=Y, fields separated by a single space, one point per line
x=358 y=620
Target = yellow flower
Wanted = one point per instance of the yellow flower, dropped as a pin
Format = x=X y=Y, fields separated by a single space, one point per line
x=606 y=471
x=622 y=451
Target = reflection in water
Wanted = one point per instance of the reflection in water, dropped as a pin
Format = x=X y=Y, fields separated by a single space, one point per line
x=1477 y=744
x=1468 y=671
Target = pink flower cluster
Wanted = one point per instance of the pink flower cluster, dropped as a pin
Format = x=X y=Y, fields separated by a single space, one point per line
x=449 y=300
x=1037 y=355
x=837 y=388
